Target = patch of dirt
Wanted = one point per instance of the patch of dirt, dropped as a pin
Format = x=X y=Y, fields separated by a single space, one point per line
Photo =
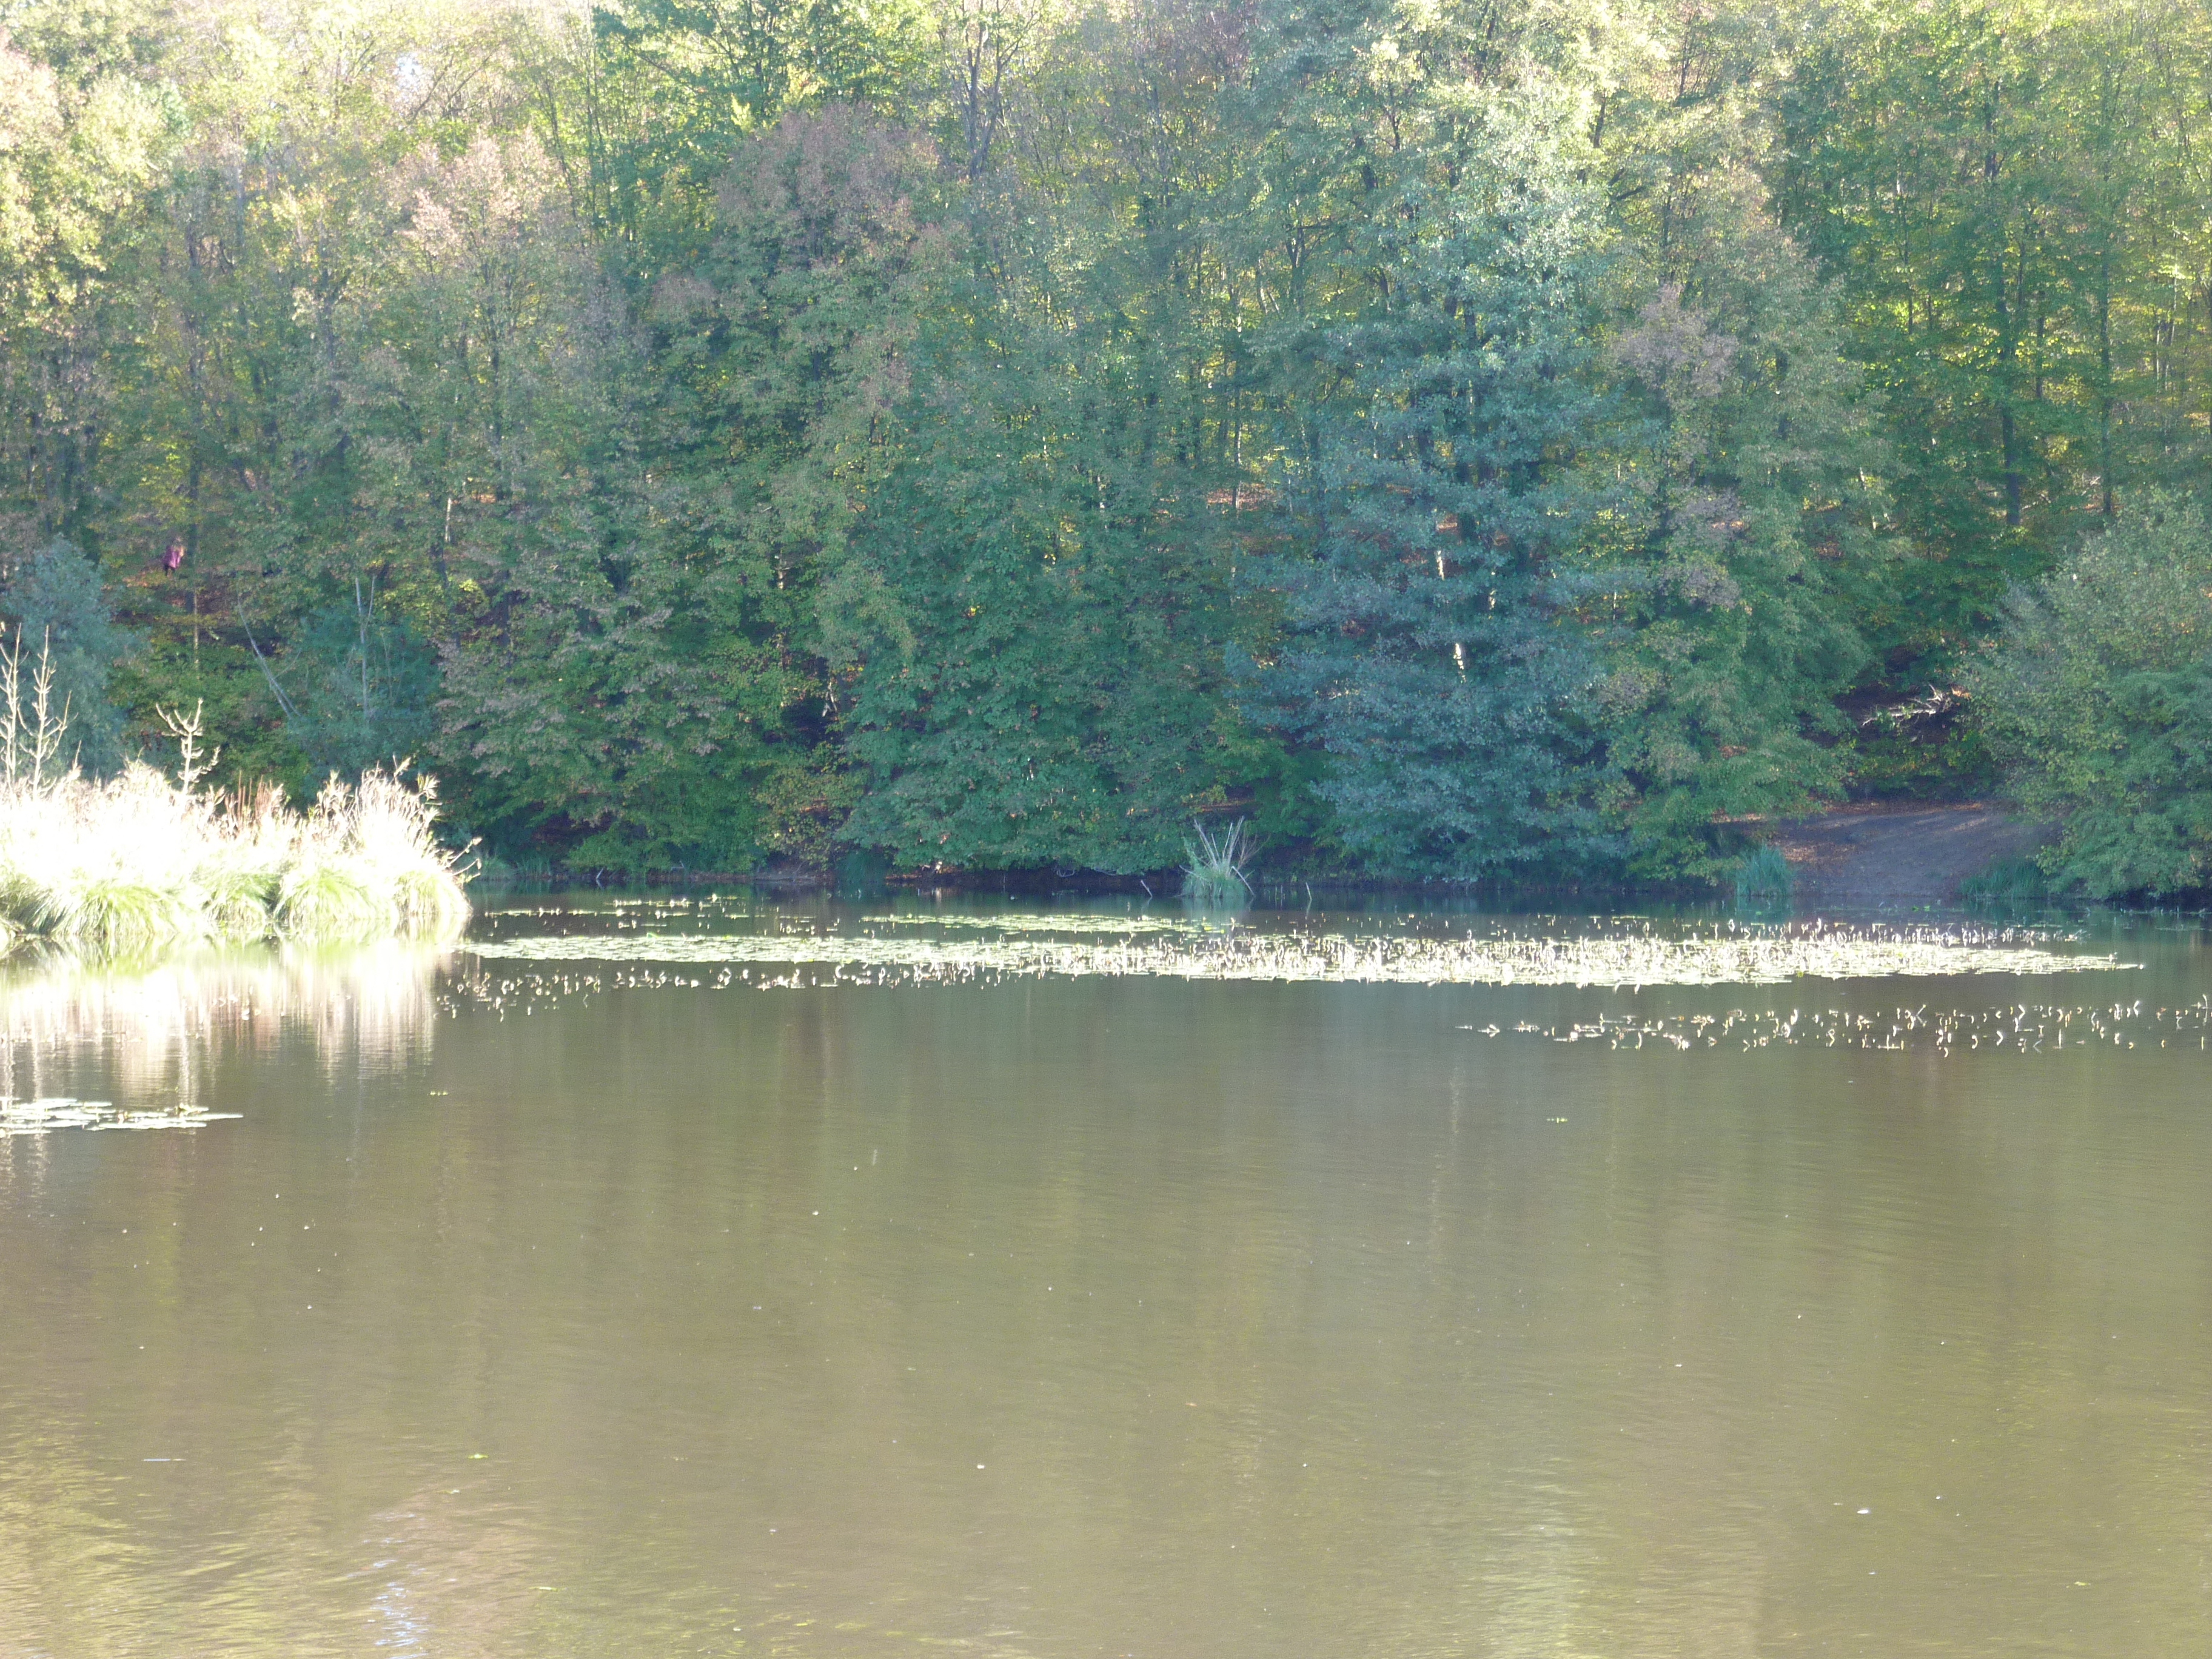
x=1899 y=856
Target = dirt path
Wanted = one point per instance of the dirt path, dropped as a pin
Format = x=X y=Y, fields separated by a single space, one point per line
x=1898 y=857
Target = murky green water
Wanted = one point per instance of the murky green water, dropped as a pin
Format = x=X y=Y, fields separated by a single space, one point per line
x=544 y=1302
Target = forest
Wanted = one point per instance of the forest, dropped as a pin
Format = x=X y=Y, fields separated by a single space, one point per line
x=1468 y=440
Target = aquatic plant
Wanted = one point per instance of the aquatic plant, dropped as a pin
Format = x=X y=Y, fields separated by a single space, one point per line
x=113 y=915
x=138 y=864
x=2009 y=881
x=325 y=898
x=1501 y=956
x=1213 y=877
x=1764 y=880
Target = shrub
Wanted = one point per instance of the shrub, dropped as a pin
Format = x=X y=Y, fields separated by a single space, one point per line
x=2097 y=699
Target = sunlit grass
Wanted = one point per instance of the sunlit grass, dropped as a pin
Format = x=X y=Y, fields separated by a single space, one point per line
x=137 y=866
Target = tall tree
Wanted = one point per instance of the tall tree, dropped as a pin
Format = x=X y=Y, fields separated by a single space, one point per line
x=1432 y=646
x=2004 y=191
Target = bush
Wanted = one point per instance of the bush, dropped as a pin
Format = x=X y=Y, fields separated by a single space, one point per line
x=2096 y=698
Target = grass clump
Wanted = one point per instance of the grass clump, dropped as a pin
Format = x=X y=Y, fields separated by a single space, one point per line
x=1765 y=881
x=140 y=863
x=137 y=865
x=2010 y=881
x=324 y=899
x=1213 y=877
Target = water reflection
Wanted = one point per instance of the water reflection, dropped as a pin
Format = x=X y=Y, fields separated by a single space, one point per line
x=150 y=1031
x=1064 y=1317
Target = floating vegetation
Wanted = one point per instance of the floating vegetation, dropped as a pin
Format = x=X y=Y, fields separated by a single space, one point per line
x=628 y=915
x=2019 y=1028
x=1073 y=921
x=1627 y=957
x=38 y=1117
x=2013 y=1028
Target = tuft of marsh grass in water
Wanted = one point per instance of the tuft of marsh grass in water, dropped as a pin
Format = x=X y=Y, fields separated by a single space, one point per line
x=1765 y=881
x=1213 y=878
x=325 y=898
x=2009 y=881
x=138 y=864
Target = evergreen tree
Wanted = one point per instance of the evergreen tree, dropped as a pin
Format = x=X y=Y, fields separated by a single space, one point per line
x=1035 y=606
x=1747 y=543
x=54 y=601
x=1433 y=647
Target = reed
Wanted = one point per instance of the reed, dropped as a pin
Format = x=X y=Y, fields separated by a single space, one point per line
x=2010 y=881
x=137 y=865
x=1213 y=878
x=1765 y=881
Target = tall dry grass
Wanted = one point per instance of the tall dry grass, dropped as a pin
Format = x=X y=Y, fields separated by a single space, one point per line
x=138 y=864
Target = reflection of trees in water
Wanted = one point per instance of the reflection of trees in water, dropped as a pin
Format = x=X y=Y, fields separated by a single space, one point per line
x=146 y=1031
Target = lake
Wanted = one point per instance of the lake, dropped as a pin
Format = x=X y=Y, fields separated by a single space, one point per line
x=725 y=1277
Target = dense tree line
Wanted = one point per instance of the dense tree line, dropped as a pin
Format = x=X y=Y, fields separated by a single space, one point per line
x=1467 y=437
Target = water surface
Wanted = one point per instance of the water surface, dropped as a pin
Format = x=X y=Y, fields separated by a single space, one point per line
x=557 y=1305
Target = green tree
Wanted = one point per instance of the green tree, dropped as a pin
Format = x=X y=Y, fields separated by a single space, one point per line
x=2097 y=696
x=1034 y=607
x=54 y=600
x=2012 y=198
x=1749 y=542
x=1432 y=645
